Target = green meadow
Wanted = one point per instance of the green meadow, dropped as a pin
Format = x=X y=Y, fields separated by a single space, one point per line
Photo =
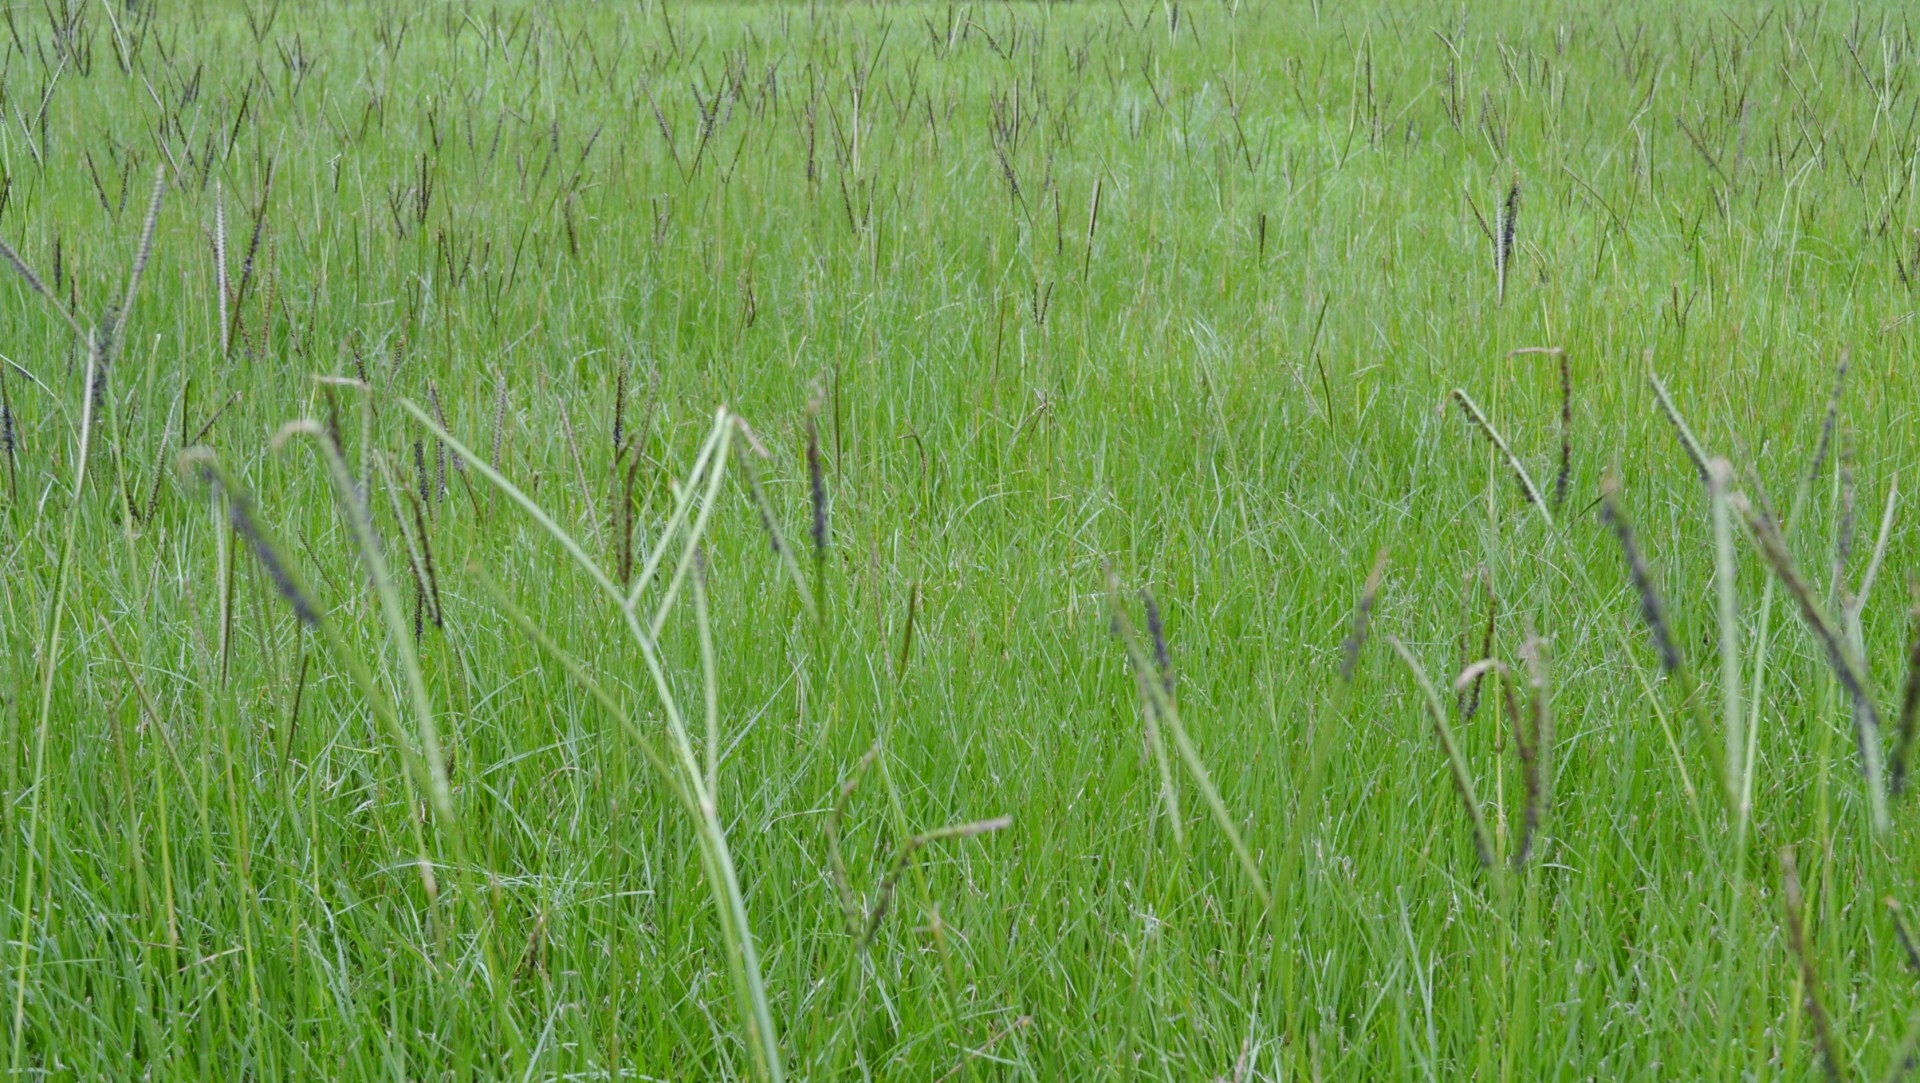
x=1194 y=541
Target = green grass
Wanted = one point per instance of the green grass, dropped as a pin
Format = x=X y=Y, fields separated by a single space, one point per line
x=1083 y=305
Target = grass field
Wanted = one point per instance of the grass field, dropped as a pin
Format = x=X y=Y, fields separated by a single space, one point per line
x=401 y=679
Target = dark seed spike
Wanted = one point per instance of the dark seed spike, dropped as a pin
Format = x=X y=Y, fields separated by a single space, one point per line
x=816 y=478
x=34 y=283
x=33 y=280
x=906 y=638
x=620 y=413
x=7 y=439
x=1479 y=421
x=432 y=589
x=765 y=510
x=1157 y=631
x=9 y=442
x=1509 y=220
x=98 y=389
x=439 y=448
x=1651 y=609
x=627 y=522
x=253 y=249
x=1456 y=761
x=240 y=514
x=1525 y=731
x=446 y=454
x=1362 y=616
x=420 y=469
x=1909 y=704
x=1825 y=442
x=333 y=417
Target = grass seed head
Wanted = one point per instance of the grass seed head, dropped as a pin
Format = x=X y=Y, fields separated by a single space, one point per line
x=817 y=483
x=240 y=515
x=1509 y=223
x=1909 y=701
x=420 y=471
x=1825 y=443
x=620 y=412
x=1157 y=632
x=1362 y=616
x=1652 y=611
x=499 y=416
x=9 y=443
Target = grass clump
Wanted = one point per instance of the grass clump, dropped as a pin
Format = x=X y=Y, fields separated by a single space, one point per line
x=413 y=665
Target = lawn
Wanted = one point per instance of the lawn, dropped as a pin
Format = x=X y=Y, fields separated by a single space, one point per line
x=1201 y=541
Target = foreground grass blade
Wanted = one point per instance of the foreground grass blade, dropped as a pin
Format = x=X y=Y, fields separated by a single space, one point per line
x=49 y=661
x=688 y=775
